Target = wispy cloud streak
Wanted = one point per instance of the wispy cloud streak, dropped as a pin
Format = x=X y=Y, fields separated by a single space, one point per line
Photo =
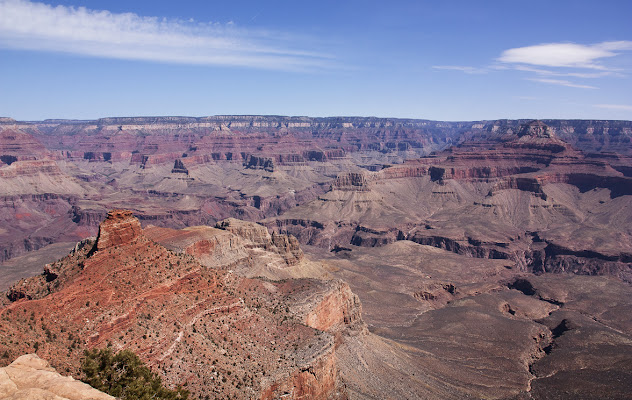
x=586 y=75
x=622 y=107
x=467 y=70
x=562 y=82
x=41 y=27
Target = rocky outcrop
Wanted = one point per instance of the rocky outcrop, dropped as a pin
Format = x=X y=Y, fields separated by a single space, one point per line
x=90 y=217
x=535 y=129
x=305 y=230
x=334 y=309
x=119 y=228
x=464 y=246
x=30 y=377
x=258 y=236
x=179 y=168
x=317 y=380
x=351 y=181
x=256 y=162
x=287 y=246
x=368 y=237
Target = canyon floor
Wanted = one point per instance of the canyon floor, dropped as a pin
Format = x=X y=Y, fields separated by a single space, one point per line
x=295 y=257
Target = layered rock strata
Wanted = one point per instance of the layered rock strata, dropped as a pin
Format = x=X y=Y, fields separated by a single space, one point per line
x=524 y=196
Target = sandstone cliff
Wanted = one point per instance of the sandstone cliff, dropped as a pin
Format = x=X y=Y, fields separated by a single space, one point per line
x=119 y=228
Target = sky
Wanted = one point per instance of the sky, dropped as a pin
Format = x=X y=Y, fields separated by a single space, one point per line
x=453 y=60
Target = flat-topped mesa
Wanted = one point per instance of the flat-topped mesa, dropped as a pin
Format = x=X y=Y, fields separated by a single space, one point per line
x=351 y=181
x=120 y=227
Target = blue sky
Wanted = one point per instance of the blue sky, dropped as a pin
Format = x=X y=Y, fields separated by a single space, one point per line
x=435 y=59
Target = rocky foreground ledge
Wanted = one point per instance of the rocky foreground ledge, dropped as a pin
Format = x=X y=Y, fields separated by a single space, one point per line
x=31 y=378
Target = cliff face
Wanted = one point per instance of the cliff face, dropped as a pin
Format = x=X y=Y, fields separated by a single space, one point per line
x=285 y=138
x=258 y=141
x=257 y=236
x=317 y=381
x=350 y=181
x=119 y=228
x=586 y=135
x=338 y=308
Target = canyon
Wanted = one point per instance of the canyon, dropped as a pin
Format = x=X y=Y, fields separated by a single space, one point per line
x=343 y=257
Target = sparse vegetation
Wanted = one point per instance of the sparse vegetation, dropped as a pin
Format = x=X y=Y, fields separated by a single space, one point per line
x=125 y=376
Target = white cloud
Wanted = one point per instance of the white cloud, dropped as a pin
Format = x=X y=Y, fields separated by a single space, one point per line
x=549 y=61
x=37 y=26
x=467 y=70
x=565 y=54
x=562 y=82
x=623 y=107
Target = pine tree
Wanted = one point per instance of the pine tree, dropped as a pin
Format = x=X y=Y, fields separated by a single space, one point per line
x=125 y=376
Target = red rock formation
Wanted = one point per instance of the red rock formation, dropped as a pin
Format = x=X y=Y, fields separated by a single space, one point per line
x=119 y=228
x=534 y=149
x=209 y=328
x=338 y=308
x=214 y=248
x=317 y=381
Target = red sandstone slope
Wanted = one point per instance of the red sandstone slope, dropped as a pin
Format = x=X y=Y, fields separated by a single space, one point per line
x=219 y=334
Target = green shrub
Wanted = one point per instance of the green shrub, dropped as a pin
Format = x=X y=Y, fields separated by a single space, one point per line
x=125 y=376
